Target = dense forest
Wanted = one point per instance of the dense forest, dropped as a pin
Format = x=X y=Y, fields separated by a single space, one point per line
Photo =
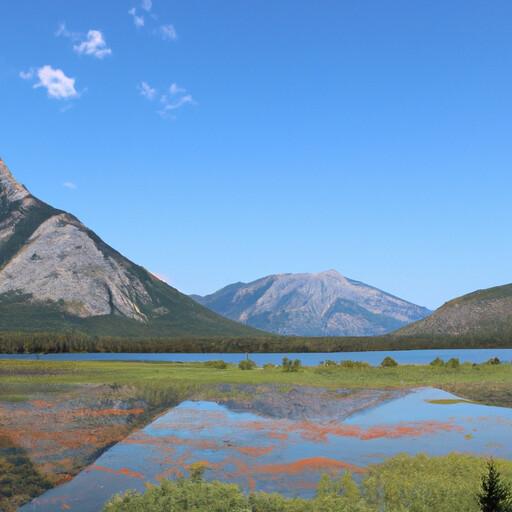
x=50 y=342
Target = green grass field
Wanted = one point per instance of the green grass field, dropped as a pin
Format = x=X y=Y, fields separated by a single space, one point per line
x=491 y=384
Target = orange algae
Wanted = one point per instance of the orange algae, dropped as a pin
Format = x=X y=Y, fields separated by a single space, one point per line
x=312 y=463
x=254 y=451
x=281 y=436
x=163 y=441
x=41 y=404
x=320 y=433
x=122 y=471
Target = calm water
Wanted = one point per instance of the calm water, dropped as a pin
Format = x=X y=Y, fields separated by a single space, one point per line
x=310 y=359
x=282 y=455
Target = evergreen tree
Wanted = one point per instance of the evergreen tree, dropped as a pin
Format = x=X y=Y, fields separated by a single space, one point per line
x=494 y=496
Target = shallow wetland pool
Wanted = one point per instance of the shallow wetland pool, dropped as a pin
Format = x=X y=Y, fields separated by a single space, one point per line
x=287 y=455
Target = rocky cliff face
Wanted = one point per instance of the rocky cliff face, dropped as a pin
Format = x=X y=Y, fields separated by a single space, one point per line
x=322 y=304
x=49 y=258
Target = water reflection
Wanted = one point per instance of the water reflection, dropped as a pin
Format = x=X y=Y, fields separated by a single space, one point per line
x=283 y=455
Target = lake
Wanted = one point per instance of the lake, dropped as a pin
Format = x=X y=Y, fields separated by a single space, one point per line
x=308 y=359
x=282 y=454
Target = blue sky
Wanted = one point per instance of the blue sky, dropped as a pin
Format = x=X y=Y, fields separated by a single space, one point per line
x=369 y=136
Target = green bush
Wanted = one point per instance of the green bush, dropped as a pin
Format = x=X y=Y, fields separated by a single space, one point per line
x=19 y=479
x=437 y=362
x=180 y=496
x=247 y=364
x=388 y=362
x=400 y=484
x=453 y=363
x=329 y=363
x=354 y=364
x=494 y=360
x=219 y=365
x=291 y=366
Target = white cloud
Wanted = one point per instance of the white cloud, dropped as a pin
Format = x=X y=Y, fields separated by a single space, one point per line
x=169 y=106
x=27 y=75
x=57 y=84
x=70 y=185
x=137 y=20
x=168 y=32
x=62 y=31
x=94 y=45
x=174 y=99
x=147 y=91
x=176 y=89
x=147 y=5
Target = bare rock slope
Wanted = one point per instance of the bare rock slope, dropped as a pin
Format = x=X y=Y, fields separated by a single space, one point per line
x=322 y=304
x=55 y=273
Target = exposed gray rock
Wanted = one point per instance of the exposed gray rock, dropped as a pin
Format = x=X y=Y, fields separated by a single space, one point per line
x=10 y=189
x=60 y=261
x=322 y=304
x=55 y=273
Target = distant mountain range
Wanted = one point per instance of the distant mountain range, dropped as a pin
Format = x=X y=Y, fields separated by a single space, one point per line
x=321 y=304
x=56 y=275
x=482 y=315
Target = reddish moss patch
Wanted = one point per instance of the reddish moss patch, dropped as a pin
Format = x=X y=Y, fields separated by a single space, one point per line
x=309 y=464
x=255 y=451
x=319 y=433
x=122 y=471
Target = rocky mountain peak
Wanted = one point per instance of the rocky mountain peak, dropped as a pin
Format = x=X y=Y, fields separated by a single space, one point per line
x=330 y=272
x=55 y=273
x=320 y=304
x=10 y=189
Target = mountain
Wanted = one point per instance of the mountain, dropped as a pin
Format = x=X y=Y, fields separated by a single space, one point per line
x=322 y=304
x=481 y=315
x=56 y=274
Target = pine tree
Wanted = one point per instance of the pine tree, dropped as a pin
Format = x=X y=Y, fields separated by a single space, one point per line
x=494 y=496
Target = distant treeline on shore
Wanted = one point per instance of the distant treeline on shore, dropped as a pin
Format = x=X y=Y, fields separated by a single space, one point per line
x=26 y=342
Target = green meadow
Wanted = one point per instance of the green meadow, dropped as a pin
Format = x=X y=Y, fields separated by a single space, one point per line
x=487 y=383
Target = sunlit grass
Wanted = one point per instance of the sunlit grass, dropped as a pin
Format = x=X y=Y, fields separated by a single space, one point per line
x=470 y=381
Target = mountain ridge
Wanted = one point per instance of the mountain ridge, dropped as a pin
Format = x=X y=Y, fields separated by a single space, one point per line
x=51 y=262
x=313 y=304
x=481 y=314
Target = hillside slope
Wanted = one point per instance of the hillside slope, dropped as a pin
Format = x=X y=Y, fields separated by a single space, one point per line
x=321 y=304
x=484 y=314
x=56 y=274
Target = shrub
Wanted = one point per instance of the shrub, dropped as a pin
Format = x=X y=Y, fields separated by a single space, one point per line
x=401 y=483
x=388 y=362
x=291 y=366
x=453 y=363
x=269 y=366
x=219 y=365
x=437 y=362
x=494 y=360
x=180 y=496
x=197 y=471
x=247 y=364
x=354 y=364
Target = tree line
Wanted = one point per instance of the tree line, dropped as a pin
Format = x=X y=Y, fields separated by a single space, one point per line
x=76 y=341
